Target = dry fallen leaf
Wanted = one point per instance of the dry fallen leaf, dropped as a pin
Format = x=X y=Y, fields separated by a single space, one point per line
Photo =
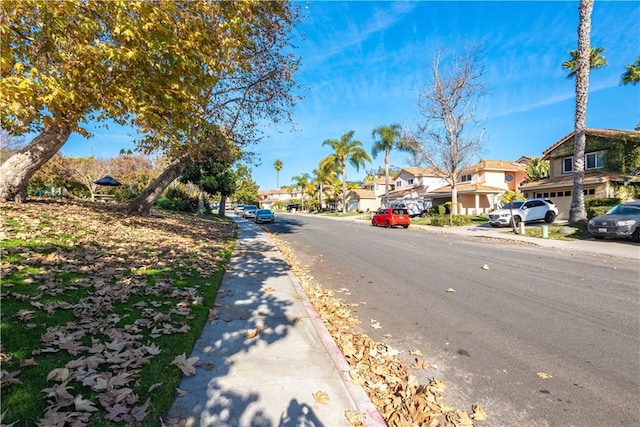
x=321 y=397
x=58 y=374
x=269 y=289
x=544 y=375
x=252 y=333
x=28 y=362
x=83 y=405
x=415 y=352
x=478 y=413
x=7 y=378
x=485 y=267
x=356 y=418
x=153 y=387
x=451 y=290
x=187 y=366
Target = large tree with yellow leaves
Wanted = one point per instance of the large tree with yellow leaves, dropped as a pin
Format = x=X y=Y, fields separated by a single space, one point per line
x=167 y=68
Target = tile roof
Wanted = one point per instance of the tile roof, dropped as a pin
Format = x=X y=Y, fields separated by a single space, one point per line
x=363 y=194
x=505 y=165
x=469 y=188
x=606 y=133
x=589 y=178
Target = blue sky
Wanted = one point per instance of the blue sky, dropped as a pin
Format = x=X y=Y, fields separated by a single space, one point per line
x=364 y=62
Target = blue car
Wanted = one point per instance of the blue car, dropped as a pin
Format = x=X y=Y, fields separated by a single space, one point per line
x=264 y=215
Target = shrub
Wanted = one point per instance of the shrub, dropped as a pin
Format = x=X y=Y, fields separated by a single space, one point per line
x=176 y=199
x=439 y=210
x=123 y=194
x=601 y=201
x=456 y=220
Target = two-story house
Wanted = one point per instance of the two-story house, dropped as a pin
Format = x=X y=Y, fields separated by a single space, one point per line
x=369 y=197
x=481 y=186
x=267 y=198
x=610 y=163
x=413 y=185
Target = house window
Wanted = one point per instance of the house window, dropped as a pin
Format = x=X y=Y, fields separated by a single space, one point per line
x=594 y=160
x=410 y=181
x=553 y=194
x=398 y=184
x=567 y=193
x=567 y=165
x=508 y=177
x=545 y=195
x=465 y=178
x=538 y=195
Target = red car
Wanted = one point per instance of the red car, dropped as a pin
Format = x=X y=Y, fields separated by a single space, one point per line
x=391 y=217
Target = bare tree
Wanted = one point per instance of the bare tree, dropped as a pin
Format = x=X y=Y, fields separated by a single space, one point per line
x=449 y=134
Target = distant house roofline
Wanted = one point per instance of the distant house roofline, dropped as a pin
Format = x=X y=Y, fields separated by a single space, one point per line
x=606 y=133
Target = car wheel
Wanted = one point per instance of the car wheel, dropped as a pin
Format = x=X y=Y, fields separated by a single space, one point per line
x=373 y=223
x=598 y=237
x=517 y=220
x=549 y=217
x=636 y=235
x=405 y=226
x=386 y=224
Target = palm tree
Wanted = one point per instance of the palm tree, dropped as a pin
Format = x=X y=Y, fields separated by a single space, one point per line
x=389 y=138
x=345 y=150
x=302 y=181
x=537 y=169
x=632 y=75
x=577 y=211
x=321 y=176
x=596 y=60
x=277 y=165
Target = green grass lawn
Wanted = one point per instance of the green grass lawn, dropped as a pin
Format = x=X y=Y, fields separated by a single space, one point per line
x=580 y=232
x=96 y=306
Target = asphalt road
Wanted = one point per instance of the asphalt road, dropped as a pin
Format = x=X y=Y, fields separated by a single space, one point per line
x=534 y=311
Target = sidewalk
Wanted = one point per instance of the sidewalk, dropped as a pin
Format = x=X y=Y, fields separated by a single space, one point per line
x=617 y=248
x=269 y=379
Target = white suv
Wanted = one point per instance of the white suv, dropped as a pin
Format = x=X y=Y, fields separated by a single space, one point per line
x=524 y=211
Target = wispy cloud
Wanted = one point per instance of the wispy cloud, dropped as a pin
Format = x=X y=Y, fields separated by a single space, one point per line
x=353 y=33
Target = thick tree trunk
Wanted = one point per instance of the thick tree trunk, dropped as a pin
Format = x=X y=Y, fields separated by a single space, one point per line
x=201 y=203
x=142 y=204
x=19 y=168
x=223 y=205
x=577 y=211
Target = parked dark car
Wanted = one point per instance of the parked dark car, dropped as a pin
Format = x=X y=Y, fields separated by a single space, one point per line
x=622 y=220
x=391 y=217
x=264 y=215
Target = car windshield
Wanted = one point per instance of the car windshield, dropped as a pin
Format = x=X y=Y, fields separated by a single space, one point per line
x=250 y=208
x=516 y=204
x=264 y=212
x=625 y=210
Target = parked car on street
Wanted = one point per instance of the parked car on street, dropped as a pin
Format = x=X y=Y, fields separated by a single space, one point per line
x=264 y=215
x=524 y=211
x=391 y=217
x=239 y=209
x=623 y=220
x=249 y=211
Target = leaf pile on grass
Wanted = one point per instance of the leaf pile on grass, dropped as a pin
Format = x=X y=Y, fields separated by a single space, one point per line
x=97 y=308
x=400 y=399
